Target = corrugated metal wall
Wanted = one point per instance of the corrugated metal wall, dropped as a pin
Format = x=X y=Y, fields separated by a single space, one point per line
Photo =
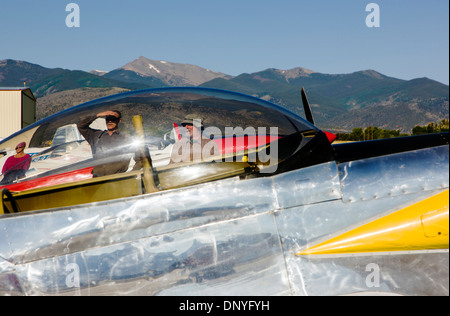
x=10 y=112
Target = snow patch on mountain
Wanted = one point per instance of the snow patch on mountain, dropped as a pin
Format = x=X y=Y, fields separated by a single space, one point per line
x=154 y=68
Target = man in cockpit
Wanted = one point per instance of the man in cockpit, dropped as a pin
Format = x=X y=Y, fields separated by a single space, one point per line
x=193 y=146
x=109 y=147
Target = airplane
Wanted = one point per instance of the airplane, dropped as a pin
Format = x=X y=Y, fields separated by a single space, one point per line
x=269 y=206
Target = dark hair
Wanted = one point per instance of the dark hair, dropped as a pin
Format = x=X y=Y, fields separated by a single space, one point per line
x=118 y=112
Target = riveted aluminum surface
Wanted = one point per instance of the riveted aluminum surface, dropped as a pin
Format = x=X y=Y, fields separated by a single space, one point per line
x=307 y=186
x=308 y=224
x=303 y=226
x=396 y=174
x=232 y=257
x=95 y=225
x=232 y=237
x=372 y=274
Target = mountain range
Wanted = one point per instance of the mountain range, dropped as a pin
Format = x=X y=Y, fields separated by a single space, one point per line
x=340 y=102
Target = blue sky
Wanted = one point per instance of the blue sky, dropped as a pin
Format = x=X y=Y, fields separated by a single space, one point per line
x=233 y=36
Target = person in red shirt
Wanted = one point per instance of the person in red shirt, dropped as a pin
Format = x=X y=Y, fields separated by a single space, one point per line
x=16 y=166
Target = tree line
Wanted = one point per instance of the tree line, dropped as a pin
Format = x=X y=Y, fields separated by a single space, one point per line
x=373 y=132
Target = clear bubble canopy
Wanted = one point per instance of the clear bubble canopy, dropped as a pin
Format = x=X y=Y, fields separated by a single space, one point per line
x=187 y=136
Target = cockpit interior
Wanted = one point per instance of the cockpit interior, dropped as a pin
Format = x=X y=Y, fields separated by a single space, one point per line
x=231 y=136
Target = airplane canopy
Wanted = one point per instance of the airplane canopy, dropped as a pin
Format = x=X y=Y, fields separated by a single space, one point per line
x=233 y=130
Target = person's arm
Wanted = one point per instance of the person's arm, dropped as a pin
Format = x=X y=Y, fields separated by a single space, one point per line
x=6 y=166
x=85 y=130
x=27 y=163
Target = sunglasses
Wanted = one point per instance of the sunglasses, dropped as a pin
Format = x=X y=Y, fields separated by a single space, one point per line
x=19 y=147
x=112 y=118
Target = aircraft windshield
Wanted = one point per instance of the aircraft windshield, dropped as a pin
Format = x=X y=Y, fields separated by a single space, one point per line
x=224 y=133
